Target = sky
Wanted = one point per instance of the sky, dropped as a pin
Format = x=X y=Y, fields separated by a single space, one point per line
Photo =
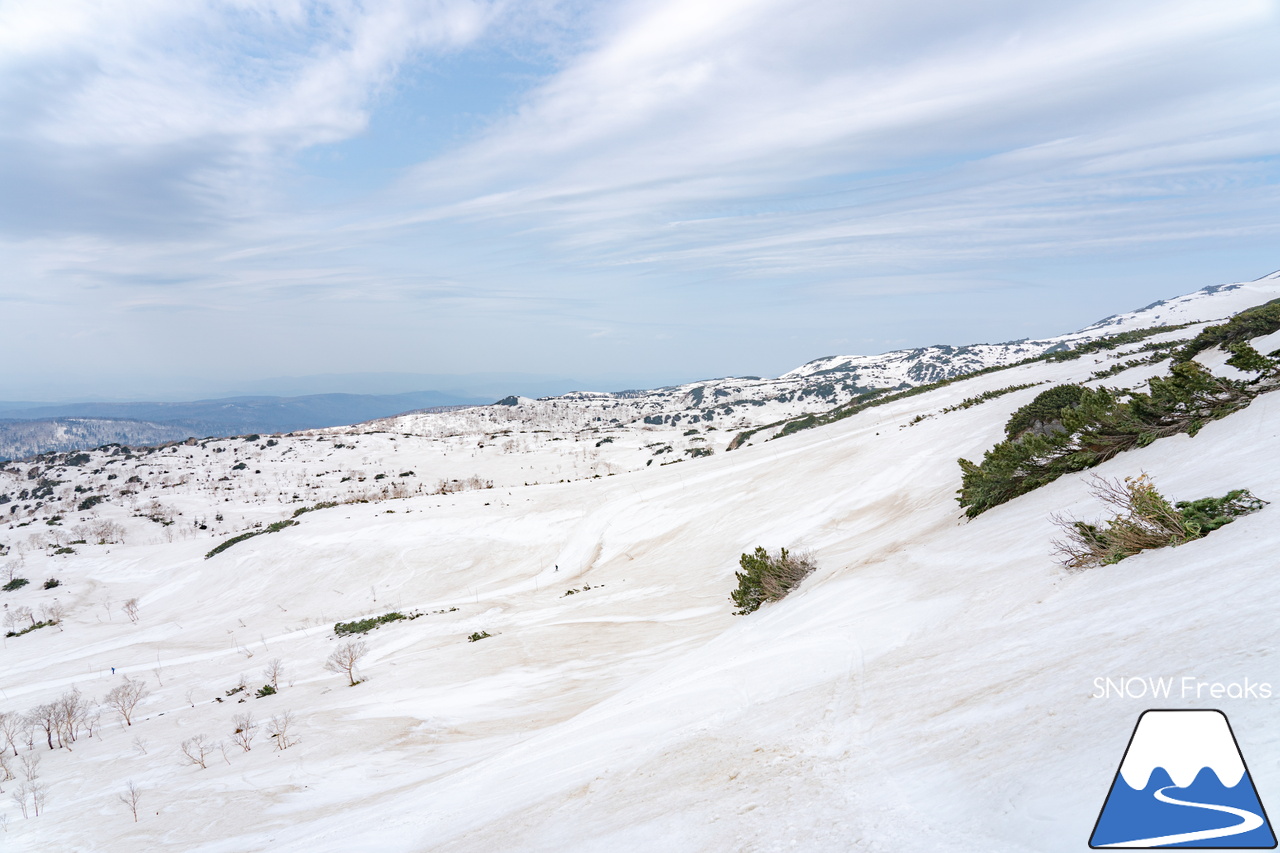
x=207 y=196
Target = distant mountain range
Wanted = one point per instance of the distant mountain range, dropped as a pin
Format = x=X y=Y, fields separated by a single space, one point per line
x=731 y=403
x=30 y=428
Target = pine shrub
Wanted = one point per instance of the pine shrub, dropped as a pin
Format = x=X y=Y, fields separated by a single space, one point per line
x=1144 y=520
x=768 y=577
x=1098 y=427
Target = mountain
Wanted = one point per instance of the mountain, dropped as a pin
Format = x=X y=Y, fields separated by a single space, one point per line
x=28 y=429
x=551 y=660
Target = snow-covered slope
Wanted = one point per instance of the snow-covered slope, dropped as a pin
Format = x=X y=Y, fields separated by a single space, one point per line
x=931 y=687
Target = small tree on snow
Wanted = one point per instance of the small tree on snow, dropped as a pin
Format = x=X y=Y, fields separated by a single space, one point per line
x=130 y=609
x=130 y=797
x=344 y=659
x=196 y=750
x=125 y=697
x=246 y=728
x=273 y=672
x=279 y=729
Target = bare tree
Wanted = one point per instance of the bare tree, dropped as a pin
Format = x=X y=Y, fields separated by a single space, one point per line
x=140 y=745
x=246 y=728
x=71 y=712
x=30 y=766
x=130 y=609
x=273 y=672
x=125 y=697
x=10 y=728
x=19 y=618
x=130 y=797
x=38 y=796
x=53 y=612
x=279 y=729
x=197 y=749
x=44 y=717
x=344 y=659
x=6 y=772
x=20 y=796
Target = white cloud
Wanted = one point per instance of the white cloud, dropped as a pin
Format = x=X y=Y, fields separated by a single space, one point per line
x=693 y=116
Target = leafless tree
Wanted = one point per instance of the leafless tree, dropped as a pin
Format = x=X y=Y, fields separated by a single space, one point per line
x=246 y=728
x=344 y=659
x=197 y=749
x=21 y=796
x=10 y=728
x=30 y=766
x=140 y=745
x=38 y=796
x=274 y=671
x=71 y=711
x=130 y=609
x=130 y=797
x=45 y=718
x=17 y=618
x=279 y=729
x=53 y=612
x=125 y=697
x=6 y=772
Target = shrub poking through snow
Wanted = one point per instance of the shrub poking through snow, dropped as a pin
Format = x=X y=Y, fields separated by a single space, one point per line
x=769 y=577
x=478 y=636
x=1103 y=423
x=364 y=626
x=274 y=527
x=1043 y=415
x=1144 y=519
x=1245 y=326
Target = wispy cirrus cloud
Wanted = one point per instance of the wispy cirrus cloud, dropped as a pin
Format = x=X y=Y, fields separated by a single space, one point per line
x=700 y=173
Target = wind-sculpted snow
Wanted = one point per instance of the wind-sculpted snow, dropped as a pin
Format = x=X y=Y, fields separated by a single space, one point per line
x=926 y=688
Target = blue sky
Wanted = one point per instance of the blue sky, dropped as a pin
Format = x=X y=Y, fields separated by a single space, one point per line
x=200 y=194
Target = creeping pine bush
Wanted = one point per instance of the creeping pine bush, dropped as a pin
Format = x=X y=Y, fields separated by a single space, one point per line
x=364 y=626
x=1102 y=423
x=1245 y=326
x=768 y=577
x=1144 y=519
x=274 y=527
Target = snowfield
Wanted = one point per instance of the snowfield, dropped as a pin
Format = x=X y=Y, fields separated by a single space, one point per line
x=930 y=688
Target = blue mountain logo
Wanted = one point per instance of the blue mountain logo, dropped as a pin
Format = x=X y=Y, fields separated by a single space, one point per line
x=1183 y=783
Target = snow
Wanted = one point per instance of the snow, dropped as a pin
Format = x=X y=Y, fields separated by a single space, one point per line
x=929 y=688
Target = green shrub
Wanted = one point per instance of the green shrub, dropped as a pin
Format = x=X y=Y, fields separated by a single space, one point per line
x=478 y=636
x=1208 y=514
x=64 y=550
x=305 y=509
x=265 y=690
x=1245 y=326
x=27 y=630
x=364 y=626
x=1144 y=520
x=51 y=583
x=970 y=402
x=274 y=527
x=1100 y=426
x=16 y=583
x=1244 y=357
x=1045 y=411
x=90 y=502
x=768 y=577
